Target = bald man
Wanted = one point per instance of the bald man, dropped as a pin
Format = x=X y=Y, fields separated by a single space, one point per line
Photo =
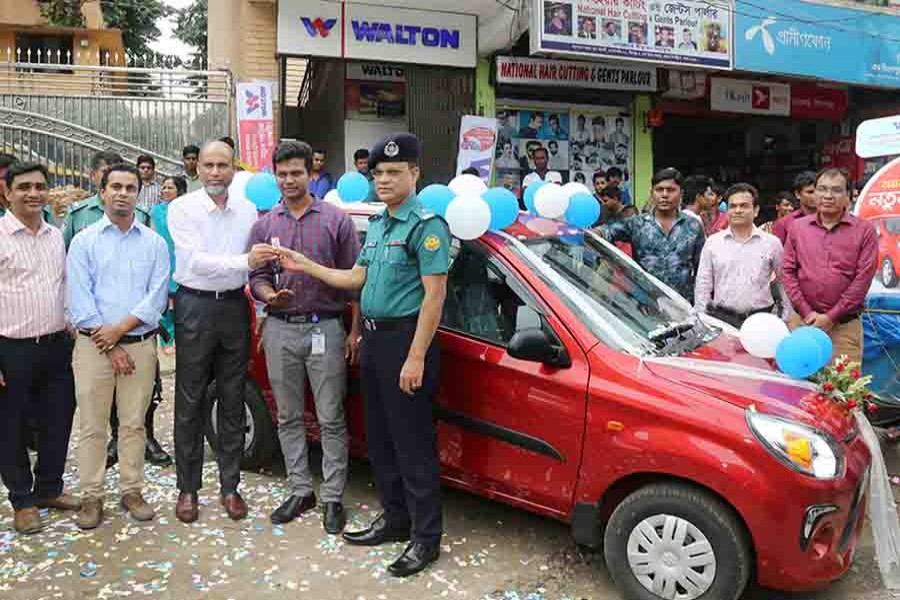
x=211 y=231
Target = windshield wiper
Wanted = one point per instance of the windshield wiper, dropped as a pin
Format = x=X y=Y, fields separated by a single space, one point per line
x=667 y=333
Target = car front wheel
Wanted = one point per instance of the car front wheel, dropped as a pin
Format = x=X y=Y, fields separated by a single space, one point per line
x=260 y=443
x=888 y=274
x=675 y=542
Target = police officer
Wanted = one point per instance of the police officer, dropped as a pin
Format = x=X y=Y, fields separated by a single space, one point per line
x=81 y=216
x=402 y=271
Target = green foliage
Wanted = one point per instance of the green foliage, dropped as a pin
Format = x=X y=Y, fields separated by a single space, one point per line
x=62 y=13
x=191 y=28
x=137 y=19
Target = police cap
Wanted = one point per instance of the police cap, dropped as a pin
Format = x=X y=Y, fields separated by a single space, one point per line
x=397 y=147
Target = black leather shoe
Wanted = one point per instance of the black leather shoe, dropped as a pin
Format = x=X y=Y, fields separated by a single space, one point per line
x=334 y=518
x=415 y=558
x=112 y=452
x=379 y=532
x=155 y=455
x=292 y=508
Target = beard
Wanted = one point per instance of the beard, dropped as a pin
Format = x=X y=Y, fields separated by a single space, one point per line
x=216 y=189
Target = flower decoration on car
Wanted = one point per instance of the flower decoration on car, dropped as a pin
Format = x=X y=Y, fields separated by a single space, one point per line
x=842 y=381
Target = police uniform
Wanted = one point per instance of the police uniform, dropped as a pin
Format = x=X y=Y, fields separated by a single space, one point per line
x=87 y=212
x=401 y=434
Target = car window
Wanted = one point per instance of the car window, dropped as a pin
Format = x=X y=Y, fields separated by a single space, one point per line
x=892 y=225
x=480 y=300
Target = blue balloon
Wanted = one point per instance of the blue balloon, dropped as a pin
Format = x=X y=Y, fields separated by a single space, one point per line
x=262 y=190
x=583 y=211
x=723 y=206
x=436 y=198
x=799 y=356
x=353 y=187
x=530 y=191
x=504 y=207
x=826 y=347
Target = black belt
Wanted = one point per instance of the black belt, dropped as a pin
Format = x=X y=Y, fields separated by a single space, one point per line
x=744 y=315
x=127 y=339
x=392 y=324
x=47 y=338
x=226 y=295
x=847 y=318
x=307 y=317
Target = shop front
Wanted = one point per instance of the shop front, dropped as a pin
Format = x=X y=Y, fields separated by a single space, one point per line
x=374 y=70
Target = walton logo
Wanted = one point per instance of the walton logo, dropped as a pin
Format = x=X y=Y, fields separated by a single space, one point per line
x=767 y=40
x=251 y=102
x=318 y=26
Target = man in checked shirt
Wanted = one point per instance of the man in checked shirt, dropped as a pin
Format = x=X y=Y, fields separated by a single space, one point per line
x=304 y=333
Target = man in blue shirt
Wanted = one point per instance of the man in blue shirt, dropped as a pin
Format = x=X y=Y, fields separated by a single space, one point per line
x=320 y=180
x=116 y=289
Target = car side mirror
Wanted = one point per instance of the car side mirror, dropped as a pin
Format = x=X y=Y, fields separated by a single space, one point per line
x=534 y=345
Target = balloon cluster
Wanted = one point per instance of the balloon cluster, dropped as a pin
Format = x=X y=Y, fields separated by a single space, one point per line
x=801 y=353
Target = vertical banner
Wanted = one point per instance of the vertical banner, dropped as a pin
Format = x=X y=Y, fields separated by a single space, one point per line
x=477 y=140
x=256 y=125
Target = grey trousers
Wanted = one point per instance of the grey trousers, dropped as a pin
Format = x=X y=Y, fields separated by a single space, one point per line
x=290 y=362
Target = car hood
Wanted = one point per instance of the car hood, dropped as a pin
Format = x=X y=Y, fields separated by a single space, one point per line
x=724 y=370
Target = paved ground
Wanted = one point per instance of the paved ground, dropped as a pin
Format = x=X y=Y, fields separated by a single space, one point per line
x=490 y=552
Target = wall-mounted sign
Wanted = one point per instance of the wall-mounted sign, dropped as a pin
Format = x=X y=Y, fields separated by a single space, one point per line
x=811 y=101
x=376 y=32
x=256 y=127
x=565 y=73
x=752 y=97
x=688 y=33
x=376 y=72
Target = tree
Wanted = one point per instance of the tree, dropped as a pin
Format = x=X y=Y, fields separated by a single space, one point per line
x=62 y=13
x=137 y=20
x=191 y=27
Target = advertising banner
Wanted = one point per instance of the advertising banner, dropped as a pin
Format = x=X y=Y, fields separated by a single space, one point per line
x=693 y=33
x=477 y=140
x=256 y=125
x=878 y=137
x=816 y=40
x=566 y=73
x=751 y=97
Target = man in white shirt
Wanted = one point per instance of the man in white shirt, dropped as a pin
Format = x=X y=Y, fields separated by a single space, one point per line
x=211 y=231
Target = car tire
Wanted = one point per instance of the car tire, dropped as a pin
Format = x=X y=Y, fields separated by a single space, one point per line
x=689 y=518
x=259 y=443
x=888 y=273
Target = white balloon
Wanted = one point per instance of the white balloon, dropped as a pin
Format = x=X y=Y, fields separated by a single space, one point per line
x=467 y=185
x=239 y=184
x=551 y=201
x=761 y=333
x=468 y=217
x=333 y=197
x=574 y=187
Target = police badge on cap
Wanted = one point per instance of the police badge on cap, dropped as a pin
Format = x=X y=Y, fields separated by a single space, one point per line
x=397 y=147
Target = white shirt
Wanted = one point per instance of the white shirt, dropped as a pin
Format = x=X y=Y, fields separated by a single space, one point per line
x=211 y=243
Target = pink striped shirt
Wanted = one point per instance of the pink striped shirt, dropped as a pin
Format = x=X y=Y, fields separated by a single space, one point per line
x=32 y=277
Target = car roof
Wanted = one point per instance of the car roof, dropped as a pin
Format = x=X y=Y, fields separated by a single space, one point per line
x=526 y=226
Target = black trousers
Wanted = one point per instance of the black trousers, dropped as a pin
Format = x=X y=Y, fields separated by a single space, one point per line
x=40 y=386
x=401 y=434
x=212 y=339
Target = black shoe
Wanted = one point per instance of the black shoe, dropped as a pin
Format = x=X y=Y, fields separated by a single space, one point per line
x=415 y=558
x=112 y=452
x=292 y=508
x=155 y=455
x=379 y=532
x=334 y=518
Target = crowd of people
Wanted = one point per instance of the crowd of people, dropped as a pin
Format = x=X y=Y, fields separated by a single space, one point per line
x=151 y=261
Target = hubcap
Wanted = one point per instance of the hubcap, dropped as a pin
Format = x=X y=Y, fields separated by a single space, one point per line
x=671 y=558
x=249 y=430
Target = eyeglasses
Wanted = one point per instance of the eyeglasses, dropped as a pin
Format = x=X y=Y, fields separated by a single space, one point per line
x=835 y=190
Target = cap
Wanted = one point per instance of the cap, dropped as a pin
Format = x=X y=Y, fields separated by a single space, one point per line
x=397 y=147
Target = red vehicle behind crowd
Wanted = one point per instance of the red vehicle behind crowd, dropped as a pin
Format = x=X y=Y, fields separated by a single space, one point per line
x=578 y=387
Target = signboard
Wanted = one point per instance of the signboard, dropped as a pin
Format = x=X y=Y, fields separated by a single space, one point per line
x=811 y=101
x=565 y=73
x=751 y=97
x=816 y=40
x=256 y=126
x=688 y=32
x=878 y=137
x=376 y=72
x=477 y=140
x=375 y=32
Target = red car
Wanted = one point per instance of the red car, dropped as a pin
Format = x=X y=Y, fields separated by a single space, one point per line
x=578 y=387
x=888 y=230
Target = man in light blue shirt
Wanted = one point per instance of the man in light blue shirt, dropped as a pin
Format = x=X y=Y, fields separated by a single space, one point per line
x=117 y=287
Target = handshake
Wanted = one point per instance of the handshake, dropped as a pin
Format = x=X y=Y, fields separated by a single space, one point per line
x=263 y=254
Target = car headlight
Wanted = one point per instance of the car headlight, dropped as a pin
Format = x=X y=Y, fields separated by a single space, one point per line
x=800 y=447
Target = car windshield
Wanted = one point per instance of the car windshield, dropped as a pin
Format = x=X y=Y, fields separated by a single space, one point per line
x=618 y=301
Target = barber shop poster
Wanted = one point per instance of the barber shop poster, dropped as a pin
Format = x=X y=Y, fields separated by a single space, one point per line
x=598 y=141
x=256 y=125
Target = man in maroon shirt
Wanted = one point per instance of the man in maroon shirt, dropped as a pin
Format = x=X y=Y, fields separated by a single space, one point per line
x=829 y=261
x=805 y=193
x=304 y=335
